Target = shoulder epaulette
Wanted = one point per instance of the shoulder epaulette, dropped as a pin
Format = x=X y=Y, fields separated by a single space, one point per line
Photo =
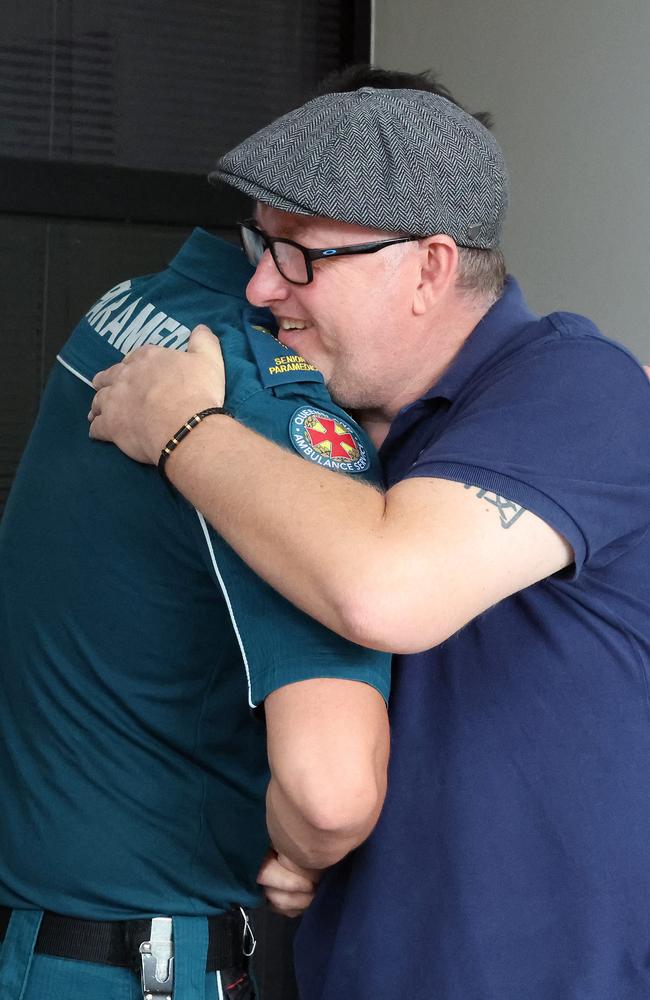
x=276 y=363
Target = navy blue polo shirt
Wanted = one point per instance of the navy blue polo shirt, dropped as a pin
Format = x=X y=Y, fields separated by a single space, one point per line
x=512 y=858
x=134 y=643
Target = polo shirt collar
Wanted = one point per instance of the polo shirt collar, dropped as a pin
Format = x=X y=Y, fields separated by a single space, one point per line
x=501 y=323
x=214 y=263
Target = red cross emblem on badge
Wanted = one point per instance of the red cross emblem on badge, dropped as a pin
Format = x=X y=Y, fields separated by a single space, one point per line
x=330 y=438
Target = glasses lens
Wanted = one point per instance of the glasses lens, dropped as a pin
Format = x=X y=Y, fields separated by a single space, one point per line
x=253 y=244
x=290 y=262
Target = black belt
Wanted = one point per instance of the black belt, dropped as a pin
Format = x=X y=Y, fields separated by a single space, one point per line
x=117 y=942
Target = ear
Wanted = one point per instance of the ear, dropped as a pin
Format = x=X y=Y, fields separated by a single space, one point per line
x=438 y=267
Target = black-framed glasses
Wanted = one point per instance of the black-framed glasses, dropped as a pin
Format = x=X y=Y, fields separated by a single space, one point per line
x=293 y=261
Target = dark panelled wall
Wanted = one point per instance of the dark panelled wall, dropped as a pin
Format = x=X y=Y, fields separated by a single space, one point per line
x=159 y=84
x=111 y=114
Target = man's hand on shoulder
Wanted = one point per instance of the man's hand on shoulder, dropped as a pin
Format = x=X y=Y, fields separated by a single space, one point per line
x=143 y=400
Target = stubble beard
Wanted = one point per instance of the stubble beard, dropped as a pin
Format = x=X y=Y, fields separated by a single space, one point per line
x=351 y=394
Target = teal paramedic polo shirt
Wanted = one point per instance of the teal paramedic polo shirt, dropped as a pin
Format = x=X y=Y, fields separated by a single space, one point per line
x=135 y=643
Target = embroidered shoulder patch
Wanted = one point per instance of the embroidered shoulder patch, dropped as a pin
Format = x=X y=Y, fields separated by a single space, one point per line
x=327 y=440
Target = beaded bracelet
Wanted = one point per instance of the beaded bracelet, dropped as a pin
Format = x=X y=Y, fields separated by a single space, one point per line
x=182 y=433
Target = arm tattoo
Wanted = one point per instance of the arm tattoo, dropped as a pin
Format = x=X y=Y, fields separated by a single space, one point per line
x=509 y=511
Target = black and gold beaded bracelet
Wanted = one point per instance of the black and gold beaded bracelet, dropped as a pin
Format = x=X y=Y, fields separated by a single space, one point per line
x=182 y=433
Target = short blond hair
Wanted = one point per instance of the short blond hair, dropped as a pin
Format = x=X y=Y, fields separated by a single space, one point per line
x=481 y=273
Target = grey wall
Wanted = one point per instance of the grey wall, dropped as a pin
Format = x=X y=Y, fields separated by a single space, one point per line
x=568 y=82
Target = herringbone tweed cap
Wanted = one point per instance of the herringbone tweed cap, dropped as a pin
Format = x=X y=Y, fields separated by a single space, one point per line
x=399 y=160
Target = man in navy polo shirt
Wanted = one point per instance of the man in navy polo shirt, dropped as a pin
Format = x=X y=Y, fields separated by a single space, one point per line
x=137 y=654
x=508 y=562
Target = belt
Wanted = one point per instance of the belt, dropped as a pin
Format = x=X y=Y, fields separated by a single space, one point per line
x=117 y=942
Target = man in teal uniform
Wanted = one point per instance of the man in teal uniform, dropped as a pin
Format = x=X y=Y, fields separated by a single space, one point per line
x=137 y=653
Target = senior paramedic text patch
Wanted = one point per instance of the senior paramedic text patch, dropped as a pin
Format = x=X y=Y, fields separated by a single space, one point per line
x=328 y=440
x=277 y=364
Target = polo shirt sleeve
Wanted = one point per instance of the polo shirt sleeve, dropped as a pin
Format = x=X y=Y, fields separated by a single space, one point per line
x=278 y=642
x=563 y=429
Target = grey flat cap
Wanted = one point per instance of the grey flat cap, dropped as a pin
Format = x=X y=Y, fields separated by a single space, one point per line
x=398 y=160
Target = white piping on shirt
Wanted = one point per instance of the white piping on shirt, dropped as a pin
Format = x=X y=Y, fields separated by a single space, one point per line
x=228 y=604
x=204 y=527
x=74 y=371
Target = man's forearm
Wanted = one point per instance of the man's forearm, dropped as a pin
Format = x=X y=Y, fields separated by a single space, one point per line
x=287 y=518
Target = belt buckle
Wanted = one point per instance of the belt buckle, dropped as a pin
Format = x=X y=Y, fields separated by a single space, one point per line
x=157 y=961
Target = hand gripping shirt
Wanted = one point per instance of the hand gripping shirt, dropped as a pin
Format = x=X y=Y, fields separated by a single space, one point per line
x=134 y=643
x=512 y=858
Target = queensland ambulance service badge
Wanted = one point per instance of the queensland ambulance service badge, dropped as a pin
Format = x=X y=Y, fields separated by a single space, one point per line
x=328 y=440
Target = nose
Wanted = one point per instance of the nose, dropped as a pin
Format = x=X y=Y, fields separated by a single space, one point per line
x=267 y=284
